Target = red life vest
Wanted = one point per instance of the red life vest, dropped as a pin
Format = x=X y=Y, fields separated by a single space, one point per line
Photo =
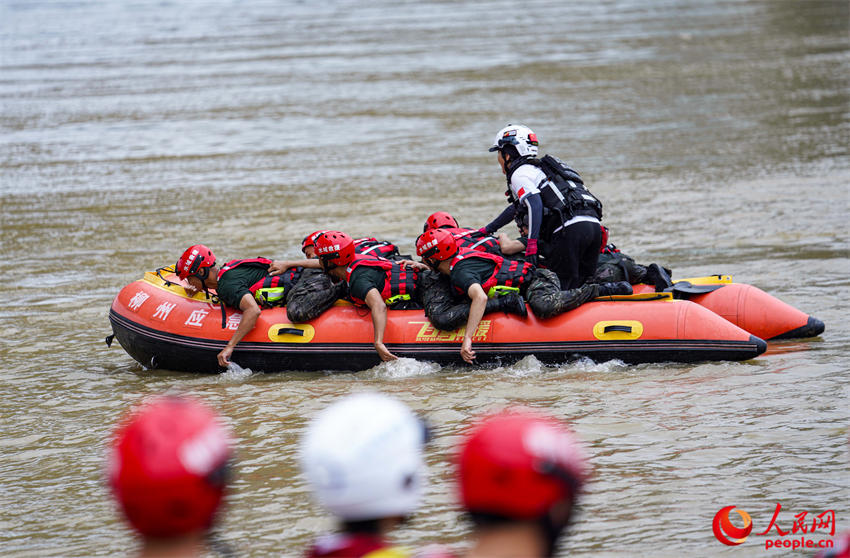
x=375 y=247
x=269 y=291
x=506 y=273
x=400 y=283
x=353 y=545
x=474 y=239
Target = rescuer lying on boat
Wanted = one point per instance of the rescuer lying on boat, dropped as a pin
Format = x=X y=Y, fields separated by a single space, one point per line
x=379 y=284
x=480 y=276
x=472 y=239
x=368 y=246
x=253 y=283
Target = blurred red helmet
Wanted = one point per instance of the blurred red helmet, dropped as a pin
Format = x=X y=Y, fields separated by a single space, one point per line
x=310 y=240
x=195 y=261
x=436 y=245
x=335 y=247
x=518 y=464
x=168 y=466
x=439 y=220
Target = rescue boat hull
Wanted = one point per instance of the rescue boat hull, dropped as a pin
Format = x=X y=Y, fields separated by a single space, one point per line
x=750 y=308
x=160 y=327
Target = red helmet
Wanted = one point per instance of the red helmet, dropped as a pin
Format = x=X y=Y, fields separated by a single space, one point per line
x=439 y=220
x=195 y=261
x=310 y=240
x=518 y=464
x=168 y=466
x=335 y=247
x=436 y=245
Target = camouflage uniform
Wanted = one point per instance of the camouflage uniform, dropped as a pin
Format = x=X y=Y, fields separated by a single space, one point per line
x=312 y=294
x=443 y=307
x=546 y=298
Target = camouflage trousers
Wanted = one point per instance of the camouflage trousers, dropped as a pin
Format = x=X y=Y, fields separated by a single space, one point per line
x=312 y=294
x=546 y=299
x=445 y=310
x=544 y=295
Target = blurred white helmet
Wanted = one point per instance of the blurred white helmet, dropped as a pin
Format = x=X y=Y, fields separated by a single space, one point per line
x=362 y=457
x=521 y=137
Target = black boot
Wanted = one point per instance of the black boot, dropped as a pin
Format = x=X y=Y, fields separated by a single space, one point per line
x=513 y=304
x=658 y=276
x=619 y=288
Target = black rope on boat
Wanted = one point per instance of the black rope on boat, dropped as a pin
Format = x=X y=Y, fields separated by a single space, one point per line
x=168 y=268
x=290 y=330
x=109 y=339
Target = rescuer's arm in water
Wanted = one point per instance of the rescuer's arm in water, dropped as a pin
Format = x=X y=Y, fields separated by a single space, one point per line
x=279 y=266
x=476 y=311
x=250 y=313
x=379 y=322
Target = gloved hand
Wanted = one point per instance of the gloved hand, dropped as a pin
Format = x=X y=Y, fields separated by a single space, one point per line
x=531 y=251
x=483 y=230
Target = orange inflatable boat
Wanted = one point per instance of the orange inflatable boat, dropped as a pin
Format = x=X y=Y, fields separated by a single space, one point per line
x=746 y=306
x=161 y=327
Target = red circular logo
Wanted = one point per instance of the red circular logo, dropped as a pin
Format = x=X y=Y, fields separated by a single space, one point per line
x=727 y=533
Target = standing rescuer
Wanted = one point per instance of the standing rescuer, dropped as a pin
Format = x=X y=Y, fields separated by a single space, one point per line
x=561 y=210
x=520 y=473
x=168 y=468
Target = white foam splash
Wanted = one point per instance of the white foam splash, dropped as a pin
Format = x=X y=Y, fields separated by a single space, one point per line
x=403 y=368
x=235 y=373
x=585 y=364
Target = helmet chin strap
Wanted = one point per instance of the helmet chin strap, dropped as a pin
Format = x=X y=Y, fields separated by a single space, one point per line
x=554 y=523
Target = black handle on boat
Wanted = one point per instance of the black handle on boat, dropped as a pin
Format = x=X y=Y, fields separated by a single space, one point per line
x=292 y=330
x=624 y=329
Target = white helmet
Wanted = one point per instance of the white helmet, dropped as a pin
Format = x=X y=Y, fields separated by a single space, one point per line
x=362 y=457
x=521 y=137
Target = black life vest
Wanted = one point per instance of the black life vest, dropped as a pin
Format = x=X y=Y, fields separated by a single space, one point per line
x=507 y=276
x=271 y=290
x=563 y=193
x=399 y=285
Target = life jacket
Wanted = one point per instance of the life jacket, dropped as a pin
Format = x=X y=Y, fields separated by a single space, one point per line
x=474 y=239
x=507 y=277
x=271 y=290
x=375 y=247
x=562 y=193
x=399 y=285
